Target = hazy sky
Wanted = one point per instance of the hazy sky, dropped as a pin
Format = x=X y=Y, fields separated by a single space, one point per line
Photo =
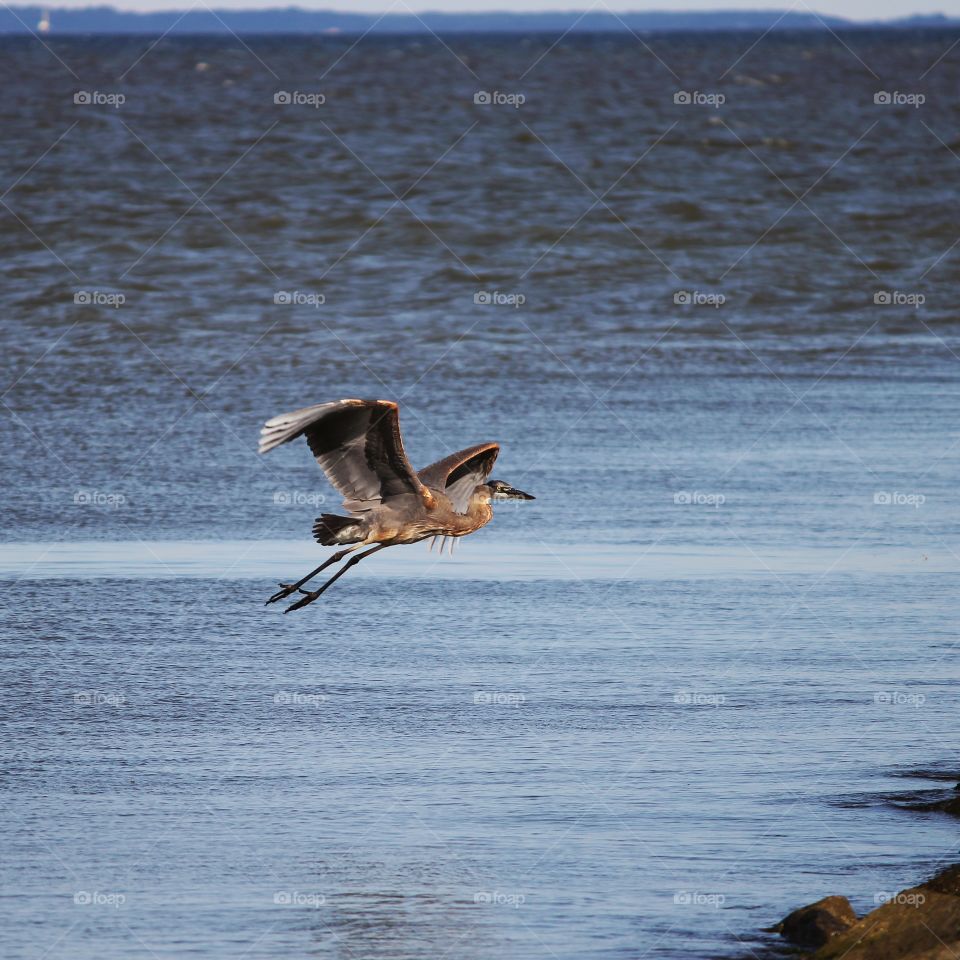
x=854 y=9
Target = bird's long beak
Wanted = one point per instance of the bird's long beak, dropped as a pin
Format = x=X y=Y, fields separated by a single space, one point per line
x=512 y=493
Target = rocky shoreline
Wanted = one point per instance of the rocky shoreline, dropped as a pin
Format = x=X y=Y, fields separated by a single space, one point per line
x=918 y=923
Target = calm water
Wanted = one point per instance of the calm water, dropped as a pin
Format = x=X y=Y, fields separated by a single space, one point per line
x=646 y=714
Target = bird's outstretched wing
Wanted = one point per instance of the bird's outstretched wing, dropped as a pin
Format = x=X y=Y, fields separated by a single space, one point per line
x=460 y=473
x=357 y=444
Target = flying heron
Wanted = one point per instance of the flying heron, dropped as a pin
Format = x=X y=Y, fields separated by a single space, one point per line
x=358 y=446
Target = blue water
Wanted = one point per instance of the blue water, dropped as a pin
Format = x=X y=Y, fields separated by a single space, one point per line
x=644 y=715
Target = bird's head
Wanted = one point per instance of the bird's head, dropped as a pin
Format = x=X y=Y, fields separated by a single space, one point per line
x=499 y=490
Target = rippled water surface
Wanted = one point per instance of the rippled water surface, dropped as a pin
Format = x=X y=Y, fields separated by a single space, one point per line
x=645 y=714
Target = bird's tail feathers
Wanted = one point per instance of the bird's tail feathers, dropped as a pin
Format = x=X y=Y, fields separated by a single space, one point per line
x=329 y=529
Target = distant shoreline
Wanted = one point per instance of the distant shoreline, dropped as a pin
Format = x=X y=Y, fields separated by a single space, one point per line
x=278 y=34
x=58 y=21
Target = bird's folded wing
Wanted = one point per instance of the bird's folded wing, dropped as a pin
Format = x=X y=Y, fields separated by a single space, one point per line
x=459 y=474
x=357 y=444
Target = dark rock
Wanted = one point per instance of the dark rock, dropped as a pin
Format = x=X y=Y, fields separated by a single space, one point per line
x=921 y=923
x=942 y=799
x=947 y=881
x=814 y=925
x=951 y=806
x=925 y=773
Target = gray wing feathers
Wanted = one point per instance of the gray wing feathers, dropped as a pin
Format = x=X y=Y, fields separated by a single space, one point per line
x=289 y=426
x=357 y=445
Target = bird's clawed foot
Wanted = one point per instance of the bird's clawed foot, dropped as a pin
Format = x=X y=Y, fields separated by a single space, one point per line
x=283 y=593
x=308 y=597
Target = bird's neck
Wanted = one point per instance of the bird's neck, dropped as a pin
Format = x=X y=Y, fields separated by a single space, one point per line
x=479 y=512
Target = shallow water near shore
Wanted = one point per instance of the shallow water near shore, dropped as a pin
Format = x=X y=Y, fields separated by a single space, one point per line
x=487 y=558
x=470 y=760
x=648 y=713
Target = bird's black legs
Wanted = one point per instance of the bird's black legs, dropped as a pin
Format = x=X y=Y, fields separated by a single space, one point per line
x=310 y=595
x=288 y=588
